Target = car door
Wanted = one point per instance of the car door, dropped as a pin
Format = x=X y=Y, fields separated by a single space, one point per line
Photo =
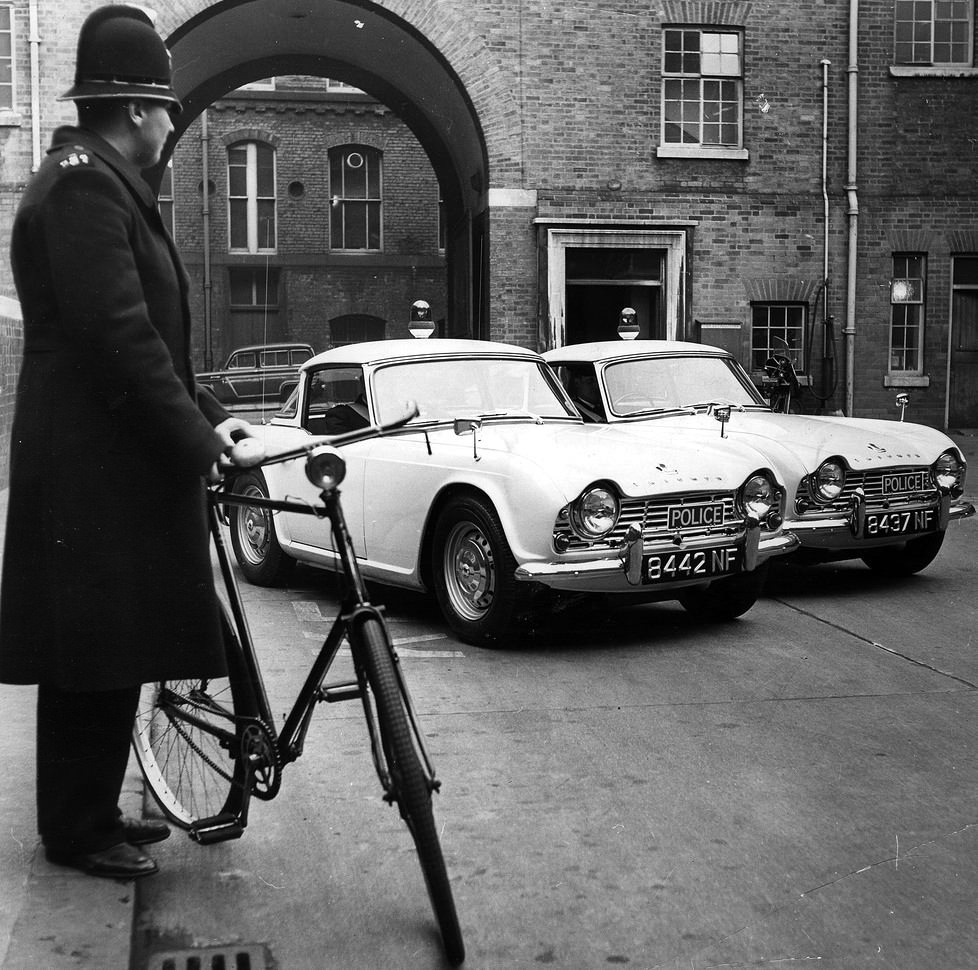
x=329 y=389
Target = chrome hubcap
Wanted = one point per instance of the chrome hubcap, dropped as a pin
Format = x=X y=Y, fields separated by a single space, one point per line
x=469 y=571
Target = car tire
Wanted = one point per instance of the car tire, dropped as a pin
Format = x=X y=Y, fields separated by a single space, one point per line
x=256 y=547
x=906 y=558
x=473 y=571
x=725 y=599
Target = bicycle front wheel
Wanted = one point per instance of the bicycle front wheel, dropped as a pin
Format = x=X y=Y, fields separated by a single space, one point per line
x=186 y=741
x=408 y=779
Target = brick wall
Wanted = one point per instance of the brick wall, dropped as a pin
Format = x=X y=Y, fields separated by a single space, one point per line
x=567 y=99
x=316 y=285
x=11 y=341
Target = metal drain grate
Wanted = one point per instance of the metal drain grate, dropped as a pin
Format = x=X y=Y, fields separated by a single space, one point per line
x=239 y=957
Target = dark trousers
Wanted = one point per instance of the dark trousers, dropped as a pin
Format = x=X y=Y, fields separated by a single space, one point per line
x=82 y=754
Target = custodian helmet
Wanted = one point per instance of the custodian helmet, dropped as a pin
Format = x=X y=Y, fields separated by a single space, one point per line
x=120 y=55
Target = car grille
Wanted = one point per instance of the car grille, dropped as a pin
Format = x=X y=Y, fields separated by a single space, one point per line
x=652 y=517
x=871 y=483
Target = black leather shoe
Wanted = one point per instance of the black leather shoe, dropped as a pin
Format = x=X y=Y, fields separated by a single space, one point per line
x=122 y=861
x=143 y=831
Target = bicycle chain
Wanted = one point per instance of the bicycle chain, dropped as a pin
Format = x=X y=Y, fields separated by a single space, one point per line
x=262 y=793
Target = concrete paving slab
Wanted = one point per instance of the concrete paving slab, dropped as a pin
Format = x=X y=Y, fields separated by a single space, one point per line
x=51 y=918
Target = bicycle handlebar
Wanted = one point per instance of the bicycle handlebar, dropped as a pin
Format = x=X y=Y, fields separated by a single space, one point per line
x=250 y=452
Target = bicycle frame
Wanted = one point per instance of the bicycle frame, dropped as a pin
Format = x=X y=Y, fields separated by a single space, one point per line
x=290 y=740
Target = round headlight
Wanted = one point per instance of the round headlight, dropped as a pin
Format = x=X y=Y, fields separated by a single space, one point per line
x=325 y=467
x=758 y=497
x=595 y=513
x=947 y=472
x=829 y=480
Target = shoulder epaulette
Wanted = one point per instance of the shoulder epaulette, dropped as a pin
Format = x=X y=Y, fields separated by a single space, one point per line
x=78 y=156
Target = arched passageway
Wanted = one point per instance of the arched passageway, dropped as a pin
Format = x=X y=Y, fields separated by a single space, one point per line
x=239 y=41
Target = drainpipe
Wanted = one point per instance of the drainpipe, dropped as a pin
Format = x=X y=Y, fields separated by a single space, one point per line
x=35 y=42
x=206 y=217
x=825 y=223
x=853 y=209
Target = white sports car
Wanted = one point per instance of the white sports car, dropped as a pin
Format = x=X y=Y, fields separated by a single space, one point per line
x=880 y=491
x=497 y=490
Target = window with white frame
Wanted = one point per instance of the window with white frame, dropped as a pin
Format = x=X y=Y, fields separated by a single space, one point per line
x=341 y=87
x=778 y=329
x=355 y=181
x=930 y=33
x=907 y=296
x=6 y=57
x=251 y=198
x=164 y=198
x=702 y=87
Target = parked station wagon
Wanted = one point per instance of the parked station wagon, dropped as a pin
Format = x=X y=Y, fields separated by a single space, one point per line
x=880 y=491
x=258 y=375
x=498 y=498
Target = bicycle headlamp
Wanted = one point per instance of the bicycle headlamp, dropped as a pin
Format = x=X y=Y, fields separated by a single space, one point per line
x=325 y=468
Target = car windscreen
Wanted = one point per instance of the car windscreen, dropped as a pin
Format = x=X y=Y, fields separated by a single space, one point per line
x=461 y=387
x=667 y=383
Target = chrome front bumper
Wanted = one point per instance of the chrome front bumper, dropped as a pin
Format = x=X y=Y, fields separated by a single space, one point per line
x=846 y=530
x=620 y=570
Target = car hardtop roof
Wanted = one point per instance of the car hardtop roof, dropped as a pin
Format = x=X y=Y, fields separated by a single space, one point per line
x=378 y=351
x=604 y=350
x=281 y=345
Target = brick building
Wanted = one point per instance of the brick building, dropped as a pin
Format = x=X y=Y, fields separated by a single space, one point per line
x=742 y=172
x=321 y=222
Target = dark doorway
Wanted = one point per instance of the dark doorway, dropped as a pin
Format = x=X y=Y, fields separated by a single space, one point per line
x=601 y=282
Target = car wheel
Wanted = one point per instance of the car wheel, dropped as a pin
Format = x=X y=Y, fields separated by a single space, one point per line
x=725 y=599
x=253 y=536
x=473 y=571
x=906 y=558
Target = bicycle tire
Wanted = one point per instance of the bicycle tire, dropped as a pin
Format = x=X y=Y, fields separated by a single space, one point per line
x=190 y=774
x=410 y=788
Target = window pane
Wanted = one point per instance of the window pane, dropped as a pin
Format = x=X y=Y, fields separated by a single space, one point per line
x=373 y=176
x=266 y=170
x=373 y=226
x=266 y=224
x=238 y=229
x=355 y=176
x=237 y=179
x=355 y=225
x=241 y=287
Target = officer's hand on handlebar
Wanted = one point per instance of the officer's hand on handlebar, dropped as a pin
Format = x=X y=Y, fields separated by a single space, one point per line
x=242 y=447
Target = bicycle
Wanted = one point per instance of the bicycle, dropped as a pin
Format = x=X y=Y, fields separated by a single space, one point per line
x=206 y=747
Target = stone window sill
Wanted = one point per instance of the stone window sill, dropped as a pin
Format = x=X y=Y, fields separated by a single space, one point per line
x=909 y=70
x=698 y=151
x=906 y=380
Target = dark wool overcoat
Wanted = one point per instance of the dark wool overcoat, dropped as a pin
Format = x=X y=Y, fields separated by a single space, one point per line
x=107 y=578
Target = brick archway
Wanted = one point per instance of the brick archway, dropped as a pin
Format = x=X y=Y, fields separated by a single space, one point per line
x=225 y=45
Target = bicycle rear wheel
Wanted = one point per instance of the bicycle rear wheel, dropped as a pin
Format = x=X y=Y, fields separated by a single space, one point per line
x=187 y=744
x=408 y=779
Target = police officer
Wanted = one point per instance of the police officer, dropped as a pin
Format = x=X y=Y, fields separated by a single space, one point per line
x=107 y=580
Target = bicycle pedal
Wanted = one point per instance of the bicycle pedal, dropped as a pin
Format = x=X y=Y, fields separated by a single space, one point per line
x=217 y=828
